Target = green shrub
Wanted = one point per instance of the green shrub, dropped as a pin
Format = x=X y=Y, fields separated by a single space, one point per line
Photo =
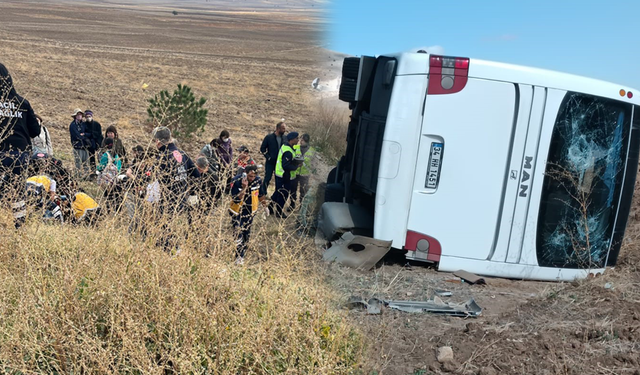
x=180 y=112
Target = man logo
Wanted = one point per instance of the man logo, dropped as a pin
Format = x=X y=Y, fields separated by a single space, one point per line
x=526 y=176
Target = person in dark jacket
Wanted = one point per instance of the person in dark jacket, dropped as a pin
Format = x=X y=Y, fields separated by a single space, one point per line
x=174 y=169
x=208 y=188
x=80 y=142
x=18 y=124
x=270 y=147
x=94 y=131
x=285 y=164
x=118 y=147
x=246 y=196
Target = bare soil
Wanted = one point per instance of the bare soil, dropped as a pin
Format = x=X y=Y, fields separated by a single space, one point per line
x=589 y=326
x=253 y=63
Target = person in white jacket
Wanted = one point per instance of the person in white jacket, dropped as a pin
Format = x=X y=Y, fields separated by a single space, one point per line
x=42 y=143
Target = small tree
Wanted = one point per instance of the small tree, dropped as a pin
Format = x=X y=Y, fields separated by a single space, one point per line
x=180 y=112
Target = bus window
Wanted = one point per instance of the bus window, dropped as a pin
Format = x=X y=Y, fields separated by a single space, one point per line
x=583 y=182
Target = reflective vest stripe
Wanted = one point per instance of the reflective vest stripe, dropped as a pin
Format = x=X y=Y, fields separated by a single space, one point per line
x=296 y=154
x=283 y=149
x=235 y=208
x=305 y=168
x=43 y=181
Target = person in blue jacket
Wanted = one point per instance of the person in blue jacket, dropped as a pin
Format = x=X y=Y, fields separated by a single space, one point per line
x=80 y=141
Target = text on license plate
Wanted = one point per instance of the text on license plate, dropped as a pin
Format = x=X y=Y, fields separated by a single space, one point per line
x=433 y=169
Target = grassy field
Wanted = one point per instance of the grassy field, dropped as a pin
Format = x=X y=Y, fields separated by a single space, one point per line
x=253 y=66
x=109 y=300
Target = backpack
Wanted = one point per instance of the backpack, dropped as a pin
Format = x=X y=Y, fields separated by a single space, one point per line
x=109 y=174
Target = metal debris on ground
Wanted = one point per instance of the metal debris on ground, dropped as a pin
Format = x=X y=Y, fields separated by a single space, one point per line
x=436 y=306
x=373 y=305
x=442 y=293
x=470 y=277
x=358 y=252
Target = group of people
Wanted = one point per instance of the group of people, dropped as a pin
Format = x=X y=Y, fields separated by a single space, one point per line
x=163 y=176
x=88 y=142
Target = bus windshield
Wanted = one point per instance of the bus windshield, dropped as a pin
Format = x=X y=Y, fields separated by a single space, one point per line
x=583 y=182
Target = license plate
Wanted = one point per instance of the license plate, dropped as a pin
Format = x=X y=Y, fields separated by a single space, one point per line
x=433 y=169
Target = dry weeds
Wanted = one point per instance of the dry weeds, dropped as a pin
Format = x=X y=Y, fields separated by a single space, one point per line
x=103 y=300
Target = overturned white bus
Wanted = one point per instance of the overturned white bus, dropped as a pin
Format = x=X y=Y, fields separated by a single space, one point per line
x=496 y=169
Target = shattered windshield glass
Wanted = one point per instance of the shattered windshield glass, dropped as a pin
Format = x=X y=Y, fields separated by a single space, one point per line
x=583 y=181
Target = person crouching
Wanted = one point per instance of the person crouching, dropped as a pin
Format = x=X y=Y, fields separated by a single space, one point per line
x=246 y=196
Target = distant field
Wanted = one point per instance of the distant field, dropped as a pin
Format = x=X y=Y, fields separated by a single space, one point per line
x=253 y=67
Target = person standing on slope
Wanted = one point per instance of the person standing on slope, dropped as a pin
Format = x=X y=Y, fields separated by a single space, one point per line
x=18 y=124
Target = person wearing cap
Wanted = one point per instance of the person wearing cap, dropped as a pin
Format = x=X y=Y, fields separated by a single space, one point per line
x=80 y=142
x=270 y=148
x=94 y=132
x=42 y=143
x=18 y=124
x=285 y=165
x=246 y=196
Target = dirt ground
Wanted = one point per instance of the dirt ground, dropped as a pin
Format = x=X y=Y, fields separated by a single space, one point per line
x=589 y=326
x=255 y=63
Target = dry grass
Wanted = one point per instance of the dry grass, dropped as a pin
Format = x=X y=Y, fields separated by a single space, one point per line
x=328 y=130
x=101 y=300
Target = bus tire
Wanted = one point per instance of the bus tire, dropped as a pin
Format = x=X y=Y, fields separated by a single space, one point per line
x=351 y=67
x=334 y=193
x=331 y=178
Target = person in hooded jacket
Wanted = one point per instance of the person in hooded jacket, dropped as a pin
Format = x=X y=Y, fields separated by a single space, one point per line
x=42 y=143
x=118 y=147
x=94 y=132
x=224 y=149
x=173 y=172
x=18 y=124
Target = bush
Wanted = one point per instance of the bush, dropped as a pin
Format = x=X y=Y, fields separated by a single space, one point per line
x=328 y=131
x=180 y=112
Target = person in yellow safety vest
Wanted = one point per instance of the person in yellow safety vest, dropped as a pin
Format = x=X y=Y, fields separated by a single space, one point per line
x=294 y=179
x=246 y=195
x=286 y=166
x=41 y=185
x=41 y=190
x=307 y=153
x=84 y=207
